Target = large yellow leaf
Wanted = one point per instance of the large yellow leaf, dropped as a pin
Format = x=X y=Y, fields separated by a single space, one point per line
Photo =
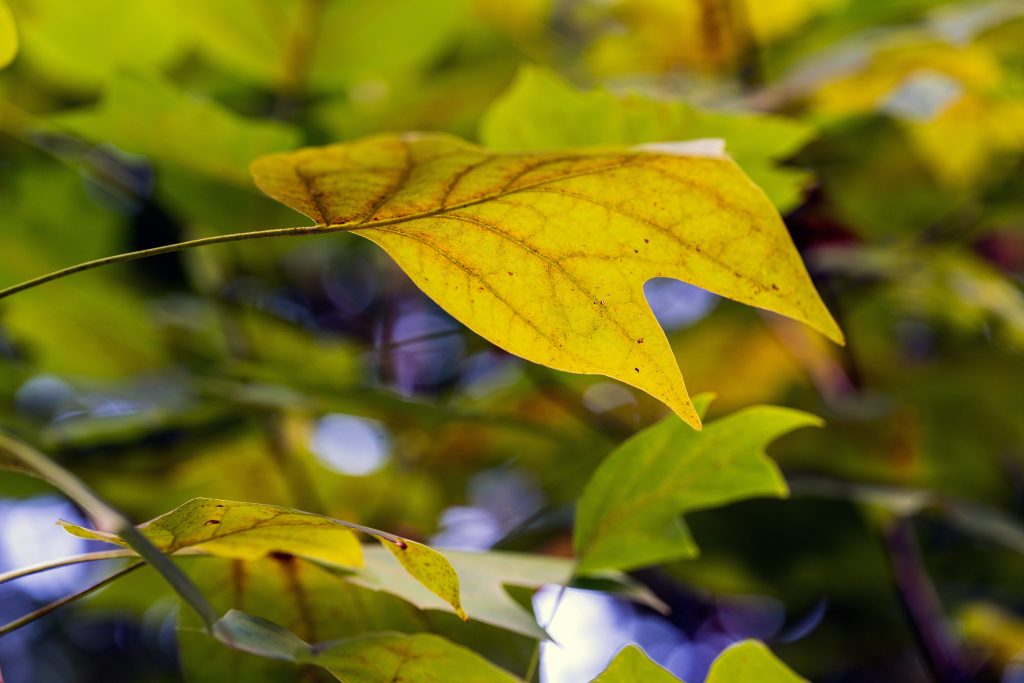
x=545 y=254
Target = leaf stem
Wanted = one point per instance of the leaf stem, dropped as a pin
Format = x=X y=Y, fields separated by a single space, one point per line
x=107 y=518
x=46 y=609
x=64 y=562
x=165 y=249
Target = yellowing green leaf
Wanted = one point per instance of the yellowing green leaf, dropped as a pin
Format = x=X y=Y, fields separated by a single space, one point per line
x=431 y=569
x=319 y=603
x=746 y=662
x=542 y=111
x=370 y=658
x=750 y=662
x=250 y=531
x=631 y=664
x=245 y=531
x=147 y=115
x=546 y=254
x=8 y=35
x=629 y=513
x=420 y=658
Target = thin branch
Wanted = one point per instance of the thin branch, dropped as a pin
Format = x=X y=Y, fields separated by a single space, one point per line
x=922 y=605
x=64 y=562
x=165 y=249
x=47 y=609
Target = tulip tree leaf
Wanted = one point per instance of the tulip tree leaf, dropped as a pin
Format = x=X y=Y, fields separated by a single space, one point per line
x=8 y=35
x=542 y=111
x=244 y=531
x=546 y=254
x=147 y=115
x=629 y=514
x=370 y=658
x=748 y=661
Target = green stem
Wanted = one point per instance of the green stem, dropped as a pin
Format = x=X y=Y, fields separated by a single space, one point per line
x=64 y=562
x=165 y=249
x=107 y=518
x=46 y=609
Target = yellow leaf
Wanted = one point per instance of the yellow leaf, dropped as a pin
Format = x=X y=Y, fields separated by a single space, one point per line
x=545 y=254
x=8 y=35
x=244 y=531
x=700 y=35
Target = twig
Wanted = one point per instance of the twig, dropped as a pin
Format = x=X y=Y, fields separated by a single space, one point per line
x=46 y=609
x=64 y=562
x=165 y=249
x=922 y=605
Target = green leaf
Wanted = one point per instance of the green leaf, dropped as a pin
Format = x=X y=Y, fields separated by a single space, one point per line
x=245 y=531
x=483 y=582
x=632 y=664
x=146 y=114
x=750 y=662
x=8 y=35
x=546 y=254
x=746 y=662
x=542 y=111
x=629 y=514
x=369 y=658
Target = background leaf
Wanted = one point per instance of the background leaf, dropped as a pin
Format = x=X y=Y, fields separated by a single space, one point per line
x=146 y=114
x=541 y=111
